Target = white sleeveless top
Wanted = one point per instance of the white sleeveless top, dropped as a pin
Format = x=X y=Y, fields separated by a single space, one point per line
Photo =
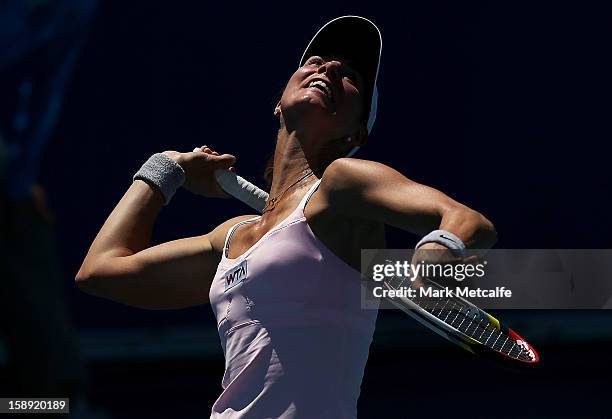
x=293 y=332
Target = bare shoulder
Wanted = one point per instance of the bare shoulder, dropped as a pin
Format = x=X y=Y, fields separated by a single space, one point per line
x=347 y=179
x=349 y=174
x=343 y=185
x=218 y=234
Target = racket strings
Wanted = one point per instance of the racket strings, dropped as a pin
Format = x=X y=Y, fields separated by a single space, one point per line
x=469 y=322
x=459 y=315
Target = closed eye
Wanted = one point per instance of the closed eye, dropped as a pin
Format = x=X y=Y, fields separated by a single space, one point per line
x=351 y=75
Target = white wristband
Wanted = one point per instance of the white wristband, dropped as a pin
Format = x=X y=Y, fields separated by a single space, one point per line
x=445 y=238
x=164 y=173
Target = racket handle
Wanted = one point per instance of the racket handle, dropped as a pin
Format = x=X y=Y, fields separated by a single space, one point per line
x=241 y=189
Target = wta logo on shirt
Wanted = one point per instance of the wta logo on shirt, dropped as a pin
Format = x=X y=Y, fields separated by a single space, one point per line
x=235 y=275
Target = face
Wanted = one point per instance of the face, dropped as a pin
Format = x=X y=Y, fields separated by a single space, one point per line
x=324 y=95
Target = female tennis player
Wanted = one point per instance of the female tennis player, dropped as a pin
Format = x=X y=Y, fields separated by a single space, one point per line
x=285 y=285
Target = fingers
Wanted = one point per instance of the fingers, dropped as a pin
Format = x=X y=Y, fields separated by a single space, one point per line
x=224 y=161
x=206 y=149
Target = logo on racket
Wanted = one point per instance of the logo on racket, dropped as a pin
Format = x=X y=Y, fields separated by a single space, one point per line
x=235 y=275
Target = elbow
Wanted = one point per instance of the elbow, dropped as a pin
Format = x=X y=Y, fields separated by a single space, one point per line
x=84 y=280
x=83 y=283
x=81 y=277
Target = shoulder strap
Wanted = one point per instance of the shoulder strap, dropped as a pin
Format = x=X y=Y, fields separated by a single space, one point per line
x=306 y=197
x=233 y=228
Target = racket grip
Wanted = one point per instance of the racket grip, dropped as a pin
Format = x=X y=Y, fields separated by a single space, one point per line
x=241 y=189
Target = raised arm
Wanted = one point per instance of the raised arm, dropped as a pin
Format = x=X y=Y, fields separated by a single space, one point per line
x=122 y=266
x=371 y=190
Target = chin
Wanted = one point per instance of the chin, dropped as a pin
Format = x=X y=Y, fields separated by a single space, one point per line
x=309 y=105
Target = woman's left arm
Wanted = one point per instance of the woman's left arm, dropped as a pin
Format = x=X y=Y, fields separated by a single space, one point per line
x=371 y=190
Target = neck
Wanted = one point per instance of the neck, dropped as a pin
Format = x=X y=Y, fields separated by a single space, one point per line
x=290 y=161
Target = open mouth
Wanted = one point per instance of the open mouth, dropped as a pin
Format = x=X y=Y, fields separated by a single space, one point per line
x=323 y=87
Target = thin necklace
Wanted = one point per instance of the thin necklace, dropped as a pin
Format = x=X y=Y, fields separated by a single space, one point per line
x=271 y=203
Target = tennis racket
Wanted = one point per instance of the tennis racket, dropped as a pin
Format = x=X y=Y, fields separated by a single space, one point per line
x=453 y=318
x=461 y=322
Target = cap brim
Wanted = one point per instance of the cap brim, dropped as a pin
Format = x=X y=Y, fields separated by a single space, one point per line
x=357 y=40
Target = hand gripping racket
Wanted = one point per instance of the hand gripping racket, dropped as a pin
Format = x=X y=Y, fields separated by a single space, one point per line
x=240 y=188
x=454 y=318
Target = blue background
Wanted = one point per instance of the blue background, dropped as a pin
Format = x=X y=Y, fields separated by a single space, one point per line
x=503 y=106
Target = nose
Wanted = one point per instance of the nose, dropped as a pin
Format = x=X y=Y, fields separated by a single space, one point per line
x=331 y=68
